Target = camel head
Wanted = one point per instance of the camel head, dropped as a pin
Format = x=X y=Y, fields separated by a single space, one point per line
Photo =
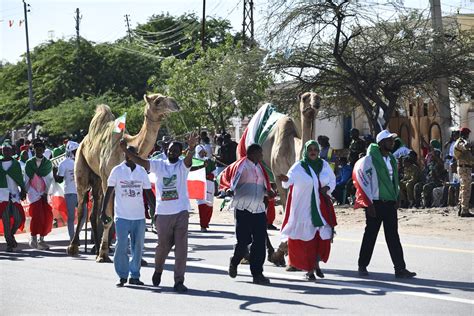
x=309 y=104
x=158 y=105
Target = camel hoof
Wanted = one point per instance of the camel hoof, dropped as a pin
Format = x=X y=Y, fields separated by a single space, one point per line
x=103 y=259
x=72 y=250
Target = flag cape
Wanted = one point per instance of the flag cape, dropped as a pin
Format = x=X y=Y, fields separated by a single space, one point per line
x=229 y=178
x=259 y=128
x=119 y=123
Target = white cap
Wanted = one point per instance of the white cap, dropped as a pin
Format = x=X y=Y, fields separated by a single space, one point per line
x=384 y=134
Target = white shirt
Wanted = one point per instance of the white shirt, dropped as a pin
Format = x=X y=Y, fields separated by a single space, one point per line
x=250 y=188
x=12 y=187
x=208 y=149
x=66 y=170
x=401 y=152
x=48 y=153
x=129 y=186
x=171 y=186
x=300 y=225
x=389 y=166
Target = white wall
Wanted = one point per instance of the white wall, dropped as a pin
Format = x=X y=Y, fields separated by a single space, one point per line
x=332 y=128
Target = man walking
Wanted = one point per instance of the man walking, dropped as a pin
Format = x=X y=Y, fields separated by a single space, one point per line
x=376 y=180
x=129 y=182
x=11 y=179
x=248 y=182
x=65 y=173
x=38 y=179
x=172 y=206
x=463 y=154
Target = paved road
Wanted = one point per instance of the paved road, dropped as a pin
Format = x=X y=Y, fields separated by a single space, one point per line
x=49 y=282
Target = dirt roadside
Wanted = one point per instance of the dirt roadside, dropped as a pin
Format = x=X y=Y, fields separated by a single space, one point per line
x=436 y=222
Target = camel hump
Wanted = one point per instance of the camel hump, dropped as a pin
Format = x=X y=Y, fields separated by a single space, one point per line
x=102 y=116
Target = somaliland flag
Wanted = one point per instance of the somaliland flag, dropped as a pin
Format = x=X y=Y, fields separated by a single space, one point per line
x=119 y=123
x=197 y=181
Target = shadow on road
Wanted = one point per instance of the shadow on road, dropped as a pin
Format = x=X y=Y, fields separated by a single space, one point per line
x=377 y=279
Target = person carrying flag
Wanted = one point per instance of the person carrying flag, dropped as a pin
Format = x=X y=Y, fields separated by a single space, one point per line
x=375 y=178
x=11 y=211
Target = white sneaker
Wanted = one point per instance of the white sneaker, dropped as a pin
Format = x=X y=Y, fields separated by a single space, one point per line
x=33 y=242
x=42 y=245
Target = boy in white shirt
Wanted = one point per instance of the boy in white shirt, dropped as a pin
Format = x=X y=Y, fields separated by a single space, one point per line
x=128 y=182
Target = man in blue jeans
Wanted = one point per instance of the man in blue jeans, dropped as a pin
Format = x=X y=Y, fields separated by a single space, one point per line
x=129 y=182
x=65 y=172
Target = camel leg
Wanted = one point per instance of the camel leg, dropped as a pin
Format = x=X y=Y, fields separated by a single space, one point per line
x=82 y=176
x=104 y=246
x=97 y=204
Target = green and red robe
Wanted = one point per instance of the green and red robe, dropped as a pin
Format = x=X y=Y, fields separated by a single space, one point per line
x=16 y=213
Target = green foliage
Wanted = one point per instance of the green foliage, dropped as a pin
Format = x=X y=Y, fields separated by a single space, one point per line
x=74 y=114
x=70 y=78
x=213 y=85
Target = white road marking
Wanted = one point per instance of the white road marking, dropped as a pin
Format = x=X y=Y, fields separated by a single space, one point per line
x=343 y=284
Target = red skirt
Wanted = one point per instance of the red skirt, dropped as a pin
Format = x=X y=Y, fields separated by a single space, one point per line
x=205 y=214
x=21 y=211
x=304 y=254
x=41 y=218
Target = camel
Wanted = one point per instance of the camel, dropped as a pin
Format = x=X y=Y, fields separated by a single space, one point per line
x=99 y=152
x=284 y=145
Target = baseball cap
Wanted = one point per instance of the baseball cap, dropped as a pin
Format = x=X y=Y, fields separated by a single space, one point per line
x=384 y=134
x=465 y=130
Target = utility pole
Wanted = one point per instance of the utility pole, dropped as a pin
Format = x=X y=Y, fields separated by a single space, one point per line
x=441 y=84
x=247 y=24
x=78 y=21
x=127 y=20
x=78 y=18
x=28 y=60
x=203 y=24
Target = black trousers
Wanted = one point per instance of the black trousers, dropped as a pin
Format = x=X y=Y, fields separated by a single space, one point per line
x=250 y=229
x=386 y=213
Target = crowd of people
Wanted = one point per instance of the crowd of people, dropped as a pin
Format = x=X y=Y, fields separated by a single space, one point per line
x=378 y=174
x=435 y=178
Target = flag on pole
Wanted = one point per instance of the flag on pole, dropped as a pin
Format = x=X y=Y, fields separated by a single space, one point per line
x=119 y=124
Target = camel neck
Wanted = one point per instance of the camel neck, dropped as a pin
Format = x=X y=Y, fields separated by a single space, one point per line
x=144 y=141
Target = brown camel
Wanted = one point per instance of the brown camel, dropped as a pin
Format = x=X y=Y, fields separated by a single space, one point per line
x=99 y=152
x=283 y=148
x=284 y=144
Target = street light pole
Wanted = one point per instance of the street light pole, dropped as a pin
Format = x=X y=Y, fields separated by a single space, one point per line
x=28 y=60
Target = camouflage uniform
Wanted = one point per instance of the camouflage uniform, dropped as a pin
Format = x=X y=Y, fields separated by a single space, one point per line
x=465 y=160
x=436 y=178
x=411 y=176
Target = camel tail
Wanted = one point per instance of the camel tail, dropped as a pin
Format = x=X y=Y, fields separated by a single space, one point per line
x=102 y=116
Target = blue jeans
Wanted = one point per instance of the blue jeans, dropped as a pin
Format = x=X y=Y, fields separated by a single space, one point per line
x=136 y=230
x=71 y=204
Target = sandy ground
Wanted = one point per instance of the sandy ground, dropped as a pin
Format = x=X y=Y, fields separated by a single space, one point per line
x=436 y=222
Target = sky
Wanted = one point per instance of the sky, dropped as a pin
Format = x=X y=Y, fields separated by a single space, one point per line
x=104 y=21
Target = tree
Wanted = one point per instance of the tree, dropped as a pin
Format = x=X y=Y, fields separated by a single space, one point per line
x=214 y=85
x=348 y=51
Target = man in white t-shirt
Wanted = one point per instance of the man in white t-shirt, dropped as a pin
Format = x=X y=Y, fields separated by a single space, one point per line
x=65 y=173
x=172 y=205
x=128 y=183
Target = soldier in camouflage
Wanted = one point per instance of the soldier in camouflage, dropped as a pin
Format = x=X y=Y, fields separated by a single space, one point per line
x=465 y=161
